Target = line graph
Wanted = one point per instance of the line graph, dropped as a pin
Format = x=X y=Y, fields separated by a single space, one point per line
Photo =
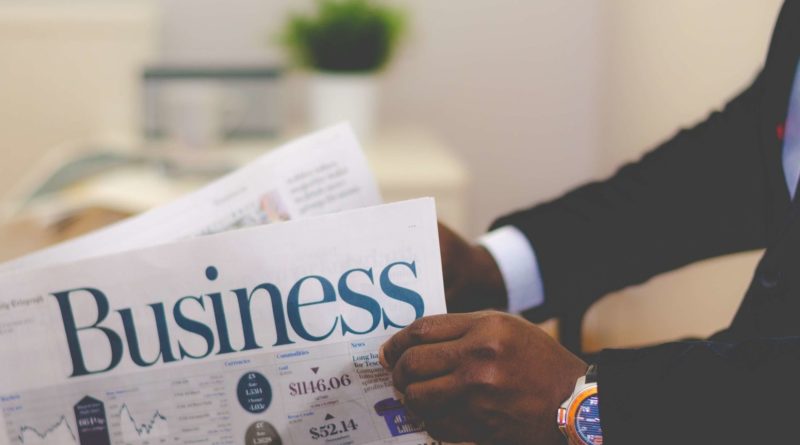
x=142 y=409
x=59 y=433
x=133 y=430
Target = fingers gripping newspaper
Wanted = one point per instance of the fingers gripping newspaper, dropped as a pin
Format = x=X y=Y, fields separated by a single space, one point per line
x=264 y=335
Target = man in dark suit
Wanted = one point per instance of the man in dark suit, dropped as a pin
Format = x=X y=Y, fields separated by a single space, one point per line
x=727 y=185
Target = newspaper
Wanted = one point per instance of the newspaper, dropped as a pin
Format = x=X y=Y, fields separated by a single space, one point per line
x=321 y=173
x=265 y=335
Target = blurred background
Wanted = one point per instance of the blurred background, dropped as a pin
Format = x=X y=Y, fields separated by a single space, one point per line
x=108 y=108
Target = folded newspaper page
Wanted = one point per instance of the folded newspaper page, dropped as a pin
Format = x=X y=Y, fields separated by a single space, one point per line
x=321 y=173
x=265 y=335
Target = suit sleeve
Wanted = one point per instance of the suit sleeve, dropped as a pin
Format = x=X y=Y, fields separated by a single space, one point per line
x=701 y=393
x=700 y=194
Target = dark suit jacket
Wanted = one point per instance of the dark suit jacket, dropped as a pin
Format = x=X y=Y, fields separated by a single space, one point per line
x=711 y=190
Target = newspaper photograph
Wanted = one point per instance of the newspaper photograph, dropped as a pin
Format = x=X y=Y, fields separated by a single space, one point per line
x=321 y=173
x=264 y=335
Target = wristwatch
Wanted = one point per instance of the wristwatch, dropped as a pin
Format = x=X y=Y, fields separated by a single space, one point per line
x=579 y=415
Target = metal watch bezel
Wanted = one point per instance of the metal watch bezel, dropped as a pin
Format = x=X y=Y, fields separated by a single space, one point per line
x=568 y=410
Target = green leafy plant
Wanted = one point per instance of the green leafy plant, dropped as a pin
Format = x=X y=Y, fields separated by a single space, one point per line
x=344 y=36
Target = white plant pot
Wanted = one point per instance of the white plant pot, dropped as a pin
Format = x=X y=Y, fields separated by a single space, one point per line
x=335 y=98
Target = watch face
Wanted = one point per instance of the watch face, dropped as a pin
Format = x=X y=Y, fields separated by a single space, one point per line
x=587 y=421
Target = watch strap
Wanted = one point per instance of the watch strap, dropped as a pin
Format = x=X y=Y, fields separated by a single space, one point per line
x=591 y=374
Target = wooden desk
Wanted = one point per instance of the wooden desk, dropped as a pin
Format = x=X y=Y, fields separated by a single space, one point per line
x=23 y=236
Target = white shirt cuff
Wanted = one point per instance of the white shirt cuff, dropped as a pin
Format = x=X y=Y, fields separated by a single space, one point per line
x=516 y=259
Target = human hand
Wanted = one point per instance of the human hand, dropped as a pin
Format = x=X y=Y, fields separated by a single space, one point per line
x=485 y=377
x=472 y=280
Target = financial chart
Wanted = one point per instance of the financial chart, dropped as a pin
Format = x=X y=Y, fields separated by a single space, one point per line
x=332 y=394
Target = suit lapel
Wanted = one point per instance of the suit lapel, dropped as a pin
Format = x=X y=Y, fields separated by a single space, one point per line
x=779 y=71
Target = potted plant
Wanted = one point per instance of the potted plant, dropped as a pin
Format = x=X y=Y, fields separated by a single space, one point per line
x=345 y=43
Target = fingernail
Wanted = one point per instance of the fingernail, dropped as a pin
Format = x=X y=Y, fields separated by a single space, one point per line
x=382 y=359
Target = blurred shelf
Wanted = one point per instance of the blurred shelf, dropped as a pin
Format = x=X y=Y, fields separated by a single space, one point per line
x=406 y=164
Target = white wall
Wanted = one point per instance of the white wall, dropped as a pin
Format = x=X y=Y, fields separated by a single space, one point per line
x=665 y=65
x=221 y=32
x=509 y=84
x=69 y=73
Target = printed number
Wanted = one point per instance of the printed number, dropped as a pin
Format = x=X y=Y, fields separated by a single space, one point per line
x=333 y=429
x=319 y=385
